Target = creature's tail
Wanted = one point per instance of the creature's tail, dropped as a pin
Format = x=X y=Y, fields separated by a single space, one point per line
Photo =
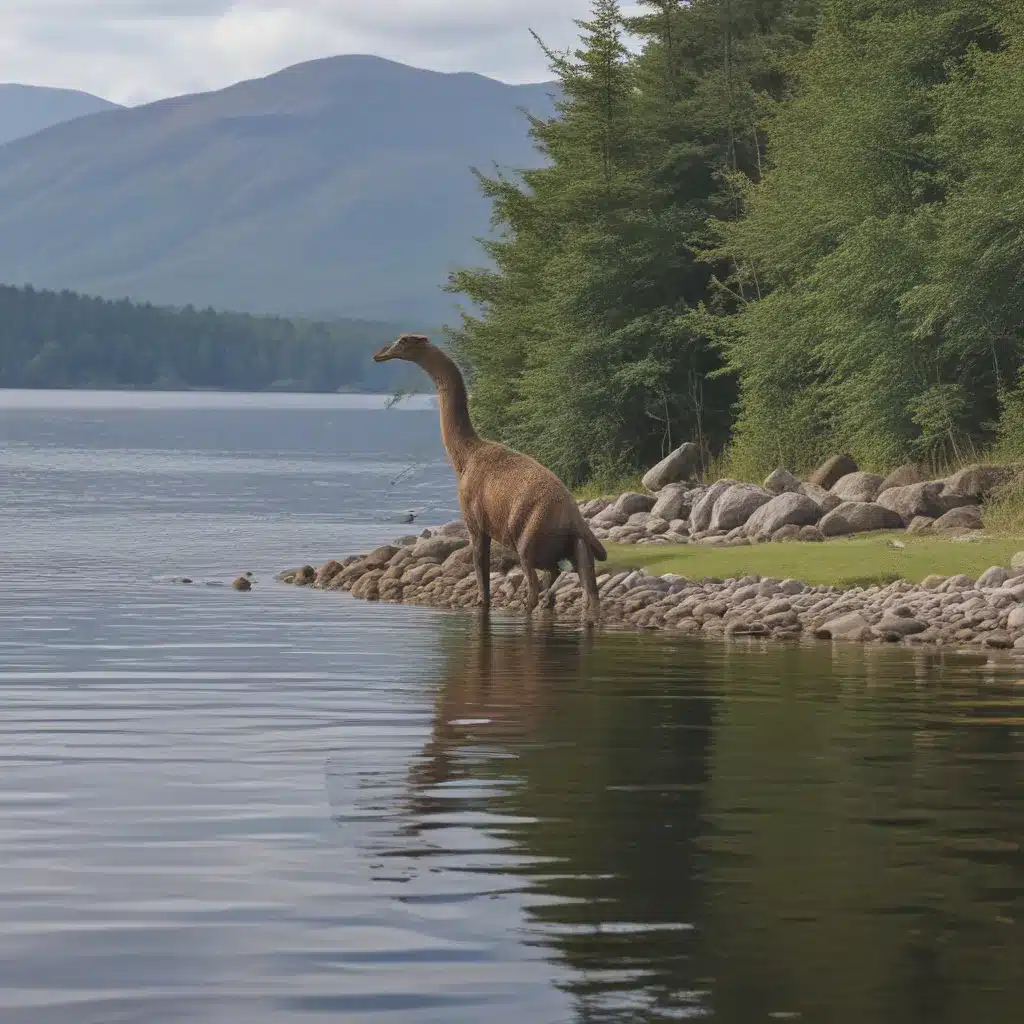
x=592 y=542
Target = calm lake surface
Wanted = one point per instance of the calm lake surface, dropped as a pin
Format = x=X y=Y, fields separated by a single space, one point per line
x=292 y=806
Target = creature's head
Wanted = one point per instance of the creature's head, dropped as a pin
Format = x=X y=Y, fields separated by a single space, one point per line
x=408 y=346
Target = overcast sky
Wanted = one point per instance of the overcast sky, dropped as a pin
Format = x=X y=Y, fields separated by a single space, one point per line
x=132 y=51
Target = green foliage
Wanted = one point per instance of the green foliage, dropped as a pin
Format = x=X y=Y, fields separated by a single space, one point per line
x=820 y=201
x=588 y=344
x=57 y=340
x=1004 y=511
x=888 y=323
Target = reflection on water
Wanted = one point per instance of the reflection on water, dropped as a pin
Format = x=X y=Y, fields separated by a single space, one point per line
x=736 y=834
x=288 y=805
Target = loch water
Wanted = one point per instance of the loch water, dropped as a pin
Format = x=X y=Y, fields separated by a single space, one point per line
x=288 y=806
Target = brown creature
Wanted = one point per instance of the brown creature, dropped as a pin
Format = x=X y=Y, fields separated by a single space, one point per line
x=504 y=494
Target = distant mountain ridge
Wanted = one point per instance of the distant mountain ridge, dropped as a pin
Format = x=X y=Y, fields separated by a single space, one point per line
x=27 y=109
x=339 y=187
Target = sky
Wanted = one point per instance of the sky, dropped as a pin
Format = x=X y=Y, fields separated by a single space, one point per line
x=134 y=51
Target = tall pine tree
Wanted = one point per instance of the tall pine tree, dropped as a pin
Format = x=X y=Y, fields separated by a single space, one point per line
x=589 y=347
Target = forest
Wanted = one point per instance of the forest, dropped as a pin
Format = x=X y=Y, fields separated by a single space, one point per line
x=65 y=340
x=781 y=228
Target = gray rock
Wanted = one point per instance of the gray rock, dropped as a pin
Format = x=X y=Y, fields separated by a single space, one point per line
x=859 y=517
x=609 y=516
x=456 y=528
x=811 y=535
x=787 y=509
x=438 y=547
x=632 y=502
x=858 y=486
x=902 y=624
x=828 y=473
x=589 y=509
x=932 y=499
x=1015 y=621
x=700 y=516
x=980 y=481
x=786 y=533
x=996 y=576
x=824 y=499
x=921 y=524
x=901 y=477
x=672 y=503
x=655 y=525
x=998 y=639
x=737 y=504
x=682 y=464
x=781 y=482
x=851 y=626
x=967 y=517
x=382 y=555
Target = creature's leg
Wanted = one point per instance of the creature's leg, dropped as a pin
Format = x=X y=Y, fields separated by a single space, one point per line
x=533 y=586
x=482 y=565
x=549 y=597
x=585 y=567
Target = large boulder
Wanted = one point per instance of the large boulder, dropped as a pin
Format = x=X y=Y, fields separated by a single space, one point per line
x=858 y=486
x=609 y=516
x=673 y=502
x=966 y=517
x=921 y=525
x=980 y=481
x=781 y=482
x=438 y=547
x=682 y=464
x=851 y=626
x=589 y=509
x=632 y=502
x=902 y=476
x=933 y=498
x=700 y=516
x=859 y=517
x=789 y=509
x=380 y=556
x=829 y=473
x=824 y=499
x=736 y=504
x=456 y=528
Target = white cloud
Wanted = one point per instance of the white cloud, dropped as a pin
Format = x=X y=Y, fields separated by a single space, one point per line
x=132 y=51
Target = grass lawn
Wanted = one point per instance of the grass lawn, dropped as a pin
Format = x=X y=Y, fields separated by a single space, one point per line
x=843 y=562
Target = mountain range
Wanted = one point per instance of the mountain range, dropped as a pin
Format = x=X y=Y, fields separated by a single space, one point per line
x=27 y=109
x=336 y=188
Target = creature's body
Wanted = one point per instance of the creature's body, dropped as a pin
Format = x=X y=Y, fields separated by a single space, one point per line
x=504 y=494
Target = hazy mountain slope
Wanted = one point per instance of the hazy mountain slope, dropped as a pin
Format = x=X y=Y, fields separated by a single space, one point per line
x=337 y=187
x=27 y=109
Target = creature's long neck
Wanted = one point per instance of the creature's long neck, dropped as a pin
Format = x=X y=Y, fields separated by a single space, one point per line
x=456 y=429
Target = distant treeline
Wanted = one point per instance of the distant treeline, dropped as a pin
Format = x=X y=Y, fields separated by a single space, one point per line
x=65 y=340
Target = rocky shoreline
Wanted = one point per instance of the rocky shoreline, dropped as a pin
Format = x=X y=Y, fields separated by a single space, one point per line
x=837 y=500
x=436 y=567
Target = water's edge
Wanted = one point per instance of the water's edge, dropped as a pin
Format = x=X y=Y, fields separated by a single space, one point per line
x=985 y=615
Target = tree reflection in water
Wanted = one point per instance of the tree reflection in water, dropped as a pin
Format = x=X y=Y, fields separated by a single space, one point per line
x=736 y=832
